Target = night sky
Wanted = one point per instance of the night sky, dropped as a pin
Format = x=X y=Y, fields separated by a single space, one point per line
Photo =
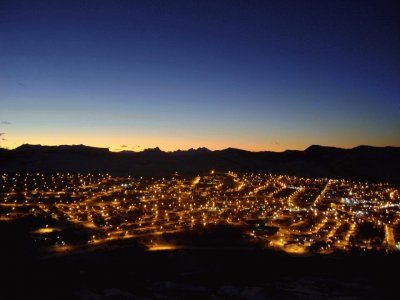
x=256 y=75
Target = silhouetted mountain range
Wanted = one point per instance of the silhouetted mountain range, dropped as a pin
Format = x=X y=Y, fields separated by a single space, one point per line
x=359 y=163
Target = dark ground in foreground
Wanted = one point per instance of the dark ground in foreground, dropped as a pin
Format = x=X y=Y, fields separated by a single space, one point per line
x=131 y=273
x=221 y=266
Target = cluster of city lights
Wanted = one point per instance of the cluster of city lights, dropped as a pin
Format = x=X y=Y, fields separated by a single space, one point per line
x=293 y=214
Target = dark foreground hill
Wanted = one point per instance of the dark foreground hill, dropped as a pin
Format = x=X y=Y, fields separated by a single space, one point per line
x=220 y=266
x=359 y=163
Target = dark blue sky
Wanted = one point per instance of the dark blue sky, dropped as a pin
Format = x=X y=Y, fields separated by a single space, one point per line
x=256 y=75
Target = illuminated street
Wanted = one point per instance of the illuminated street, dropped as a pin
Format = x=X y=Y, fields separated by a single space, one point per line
x=297 y=215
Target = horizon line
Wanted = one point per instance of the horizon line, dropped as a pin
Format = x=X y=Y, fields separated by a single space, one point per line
x=118 y=150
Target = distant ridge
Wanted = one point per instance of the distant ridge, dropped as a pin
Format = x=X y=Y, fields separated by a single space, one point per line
x=200 y=150
x=359 y=163
x=316 y=148
x=61 y=148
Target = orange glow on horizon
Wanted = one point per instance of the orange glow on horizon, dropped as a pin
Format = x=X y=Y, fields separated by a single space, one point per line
x=120 y=142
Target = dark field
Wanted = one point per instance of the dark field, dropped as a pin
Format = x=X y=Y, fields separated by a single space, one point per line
x=208 y=269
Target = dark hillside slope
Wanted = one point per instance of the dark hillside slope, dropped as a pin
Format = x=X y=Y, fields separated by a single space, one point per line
x=359 y=163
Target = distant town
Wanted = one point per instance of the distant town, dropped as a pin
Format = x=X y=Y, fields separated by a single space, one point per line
x=77 y=212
